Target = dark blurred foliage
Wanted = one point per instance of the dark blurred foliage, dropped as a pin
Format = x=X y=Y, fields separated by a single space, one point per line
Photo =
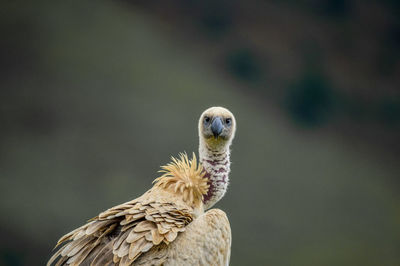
x=243 y=65
x=310 y=100
x=96 y=95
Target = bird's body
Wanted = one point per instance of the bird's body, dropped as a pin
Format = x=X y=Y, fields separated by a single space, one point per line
x=167 y=225
x=205 y=241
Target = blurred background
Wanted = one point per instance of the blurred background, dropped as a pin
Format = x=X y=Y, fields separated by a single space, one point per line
x=96 y=95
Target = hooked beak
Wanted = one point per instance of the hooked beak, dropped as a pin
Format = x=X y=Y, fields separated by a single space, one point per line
x=217 y=127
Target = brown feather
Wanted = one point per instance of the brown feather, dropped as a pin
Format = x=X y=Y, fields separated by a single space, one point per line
x=96 y=225
x=61 y=261
x=119 y=239
x=103 y=255
x=135 y=248
x=134 y=236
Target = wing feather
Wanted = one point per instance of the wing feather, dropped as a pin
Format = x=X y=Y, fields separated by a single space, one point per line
x=121 y=234
x=104 y=255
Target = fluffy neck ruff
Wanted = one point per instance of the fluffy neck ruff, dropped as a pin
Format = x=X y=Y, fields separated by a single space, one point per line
x=216 y=165
x=184 y=177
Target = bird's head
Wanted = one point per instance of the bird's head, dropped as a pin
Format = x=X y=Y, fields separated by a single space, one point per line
x=217 y=127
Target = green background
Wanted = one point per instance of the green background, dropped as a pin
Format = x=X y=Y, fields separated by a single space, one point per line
x=95 y=96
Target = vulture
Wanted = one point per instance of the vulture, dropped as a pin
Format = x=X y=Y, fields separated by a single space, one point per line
x=168 y=224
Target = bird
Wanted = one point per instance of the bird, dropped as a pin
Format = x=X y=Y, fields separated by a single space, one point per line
x=171 y=223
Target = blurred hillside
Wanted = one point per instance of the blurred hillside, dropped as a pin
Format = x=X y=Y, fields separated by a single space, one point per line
x=326 y=63
x=95 y=96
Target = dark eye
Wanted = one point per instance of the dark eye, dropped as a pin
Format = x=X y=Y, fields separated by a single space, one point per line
x=207 y=119
x=228 y=121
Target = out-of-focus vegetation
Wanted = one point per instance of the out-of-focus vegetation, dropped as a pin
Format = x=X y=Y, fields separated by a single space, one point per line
x=96 y=95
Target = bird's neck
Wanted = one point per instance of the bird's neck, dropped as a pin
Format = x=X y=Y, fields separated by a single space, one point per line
x=216 y=163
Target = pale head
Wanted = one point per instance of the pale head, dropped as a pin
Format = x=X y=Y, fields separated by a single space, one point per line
x=217 y=127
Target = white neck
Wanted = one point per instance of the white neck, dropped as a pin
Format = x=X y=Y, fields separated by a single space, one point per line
x=217 y=166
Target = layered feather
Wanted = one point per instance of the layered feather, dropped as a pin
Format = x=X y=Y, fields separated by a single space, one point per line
x=121 y=234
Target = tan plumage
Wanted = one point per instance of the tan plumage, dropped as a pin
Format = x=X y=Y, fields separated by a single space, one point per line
x=185 y=177
x=165 y=226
